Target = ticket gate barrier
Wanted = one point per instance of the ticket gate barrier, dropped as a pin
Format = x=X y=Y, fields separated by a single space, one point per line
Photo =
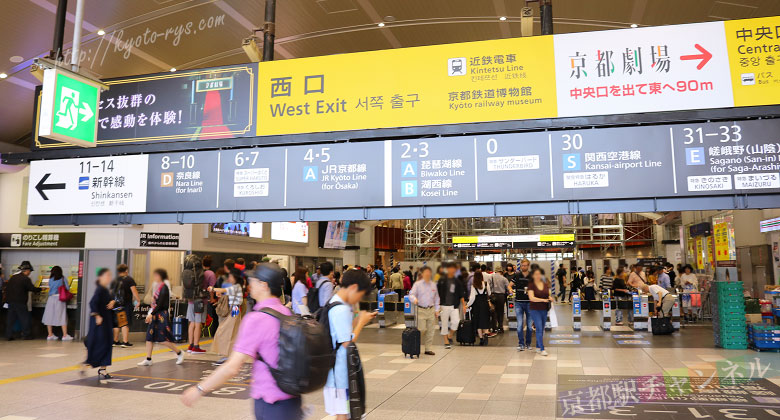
x=511 y=316
x=410 y=313
x=387 y=309
x=576 y=312
x=606 y=313
x=641 y=308
x=676 y=313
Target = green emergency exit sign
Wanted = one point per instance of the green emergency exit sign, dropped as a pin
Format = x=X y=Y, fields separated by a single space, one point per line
x=69 y=106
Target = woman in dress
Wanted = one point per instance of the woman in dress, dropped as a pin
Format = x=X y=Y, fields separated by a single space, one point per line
x=101 y=329
x=479 y=305
x=539 y=295
x=226 y=332
x=56 y=313
x=159 y=330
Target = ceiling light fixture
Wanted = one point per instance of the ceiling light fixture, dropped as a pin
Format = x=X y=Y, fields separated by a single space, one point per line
x=173 y=69
x=101 y=32
x=16 y=59
x=381 y=24
x=634 y=25
x=502 y=18
x=3 y=75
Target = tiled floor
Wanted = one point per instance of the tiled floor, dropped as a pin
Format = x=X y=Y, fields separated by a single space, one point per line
x=494 y=382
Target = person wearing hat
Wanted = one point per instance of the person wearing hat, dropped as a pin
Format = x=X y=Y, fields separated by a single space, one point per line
x=19 y=285
x=452 y=294
x=257 y=343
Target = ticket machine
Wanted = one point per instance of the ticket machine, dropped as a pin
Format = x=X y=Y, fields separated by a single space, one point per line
x=410 y=312
x=676 y=312
x=576 y=312
x=606 y=313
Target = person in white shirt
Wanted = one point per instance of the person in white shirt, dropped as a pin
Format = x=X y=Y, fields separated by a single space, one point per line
x=664 y=301
x=688 y=280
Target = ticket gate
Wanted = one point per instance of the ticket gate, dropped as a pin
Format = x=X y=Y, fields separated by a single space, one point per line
x=410 y=313
x=576 y=312
x=387 y=309
x=641 y=309
x=511 y=316
x=606 y=313
x=676 y=312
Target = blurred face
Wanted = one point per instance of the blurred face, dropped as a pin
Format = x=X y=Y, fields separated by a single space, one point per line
x=156 y=278
x=687 y=270
x=426 y=274
x=524 y=266
x=510 y=269
x=537 y=276
x=451 y=271
x=258 y=289
x=232 y=280
x=354 y=295
x=105 y=279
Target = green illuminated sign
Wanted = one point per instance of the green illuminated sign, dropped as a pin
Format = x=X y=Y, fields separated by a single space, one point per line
x=69 y=108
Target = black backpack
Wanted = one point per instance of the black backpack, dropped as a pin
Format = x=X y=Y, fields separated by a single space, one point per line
x=313 y=296
x=306 y=353
x=117 y=290
x=192 y=277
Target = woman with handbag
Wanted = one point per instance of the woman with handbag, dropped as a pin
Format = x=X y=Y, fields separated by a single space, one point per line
x=56 y=313
x=159 y=330
x=228 y=327
x=479 y=305
x=101 y=322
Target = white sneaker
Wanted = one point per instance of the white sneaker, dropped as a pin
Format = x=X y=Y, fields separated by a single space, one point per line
x=180 y=358
x=51 y=337
x=544 y=353
x=537 y=350
x=146 y=362
x=67 y=338
x=520 y=348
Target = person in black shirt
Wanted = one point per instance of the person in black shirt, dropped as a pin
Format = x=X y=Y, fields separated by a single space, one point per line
x=159 y=330
x=16 y=291
x=452 y=294
x=126 y=296
x=561 y=276
x=519 y=284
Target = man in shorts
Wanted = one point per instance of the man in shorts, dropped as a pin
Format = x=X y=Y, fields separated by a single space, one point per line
x=354 y=285
x=452 y=295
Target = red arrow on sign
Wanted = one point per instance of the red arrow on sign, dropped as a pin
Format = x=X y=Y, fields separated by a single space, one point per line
x=705 y=57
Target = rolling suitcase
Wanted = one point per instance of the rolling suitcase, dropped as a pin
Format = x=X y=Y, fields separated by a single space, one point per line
x=178 y=328
x=466 y=334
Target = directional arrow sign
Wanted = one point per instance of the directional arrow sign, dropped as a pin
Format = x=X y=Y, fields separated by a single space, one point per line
x=42 y=186
x=705 y=57
x=68 y=104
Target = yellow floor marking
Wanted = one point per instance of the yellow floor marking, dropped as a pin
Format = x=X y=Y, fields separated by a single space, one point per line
x=77 y=367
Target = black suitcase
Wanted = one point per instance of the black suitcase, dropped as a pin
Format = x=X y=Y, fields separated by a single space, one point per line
x=662 y=326
x=410 y=342
x=466 y=334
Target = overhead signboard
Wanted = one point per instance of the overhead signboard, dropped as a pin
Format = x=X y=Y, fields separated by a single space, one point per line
x=720 y=158
x=559 y=240
x=68 y=111
x=158 y=240
x=214 y=103
x=114 y=184
x=754 y=55
x=504 y=79
x=42 y=240
x=652 y=69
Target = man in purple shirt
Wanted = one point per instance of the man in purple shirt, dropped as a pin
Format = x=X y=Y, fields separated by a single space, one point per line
x=425 y=295
x=258 y=334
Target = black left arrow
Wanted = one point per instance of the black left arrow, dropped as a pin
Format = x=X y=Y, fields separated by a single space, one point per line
x=42 y=186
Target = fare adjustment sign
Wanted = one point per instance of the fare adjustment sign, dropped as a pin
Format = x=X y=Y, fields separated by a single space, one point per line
x=69 y=108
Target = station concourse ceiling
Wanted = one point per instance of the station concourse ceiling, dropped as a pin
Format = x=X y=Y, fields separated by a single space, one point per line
x=206 y=33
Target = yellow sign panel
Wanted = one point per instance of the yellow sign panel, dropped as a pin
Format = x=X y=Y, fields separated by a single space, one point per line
x=721 y=233
x=558 y=237
x=754 y=58
x=465 y=239
x=508 y=79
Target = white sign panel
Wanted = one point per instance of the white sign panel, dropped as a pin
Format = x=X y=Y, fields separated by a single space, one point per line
x=92 y=185
x=643 y=70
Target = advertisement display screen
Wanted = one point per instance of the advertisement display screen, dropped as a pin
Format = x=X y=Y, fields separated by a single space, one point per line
x=336 y=235
x=290 y=231
x=249 y=230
